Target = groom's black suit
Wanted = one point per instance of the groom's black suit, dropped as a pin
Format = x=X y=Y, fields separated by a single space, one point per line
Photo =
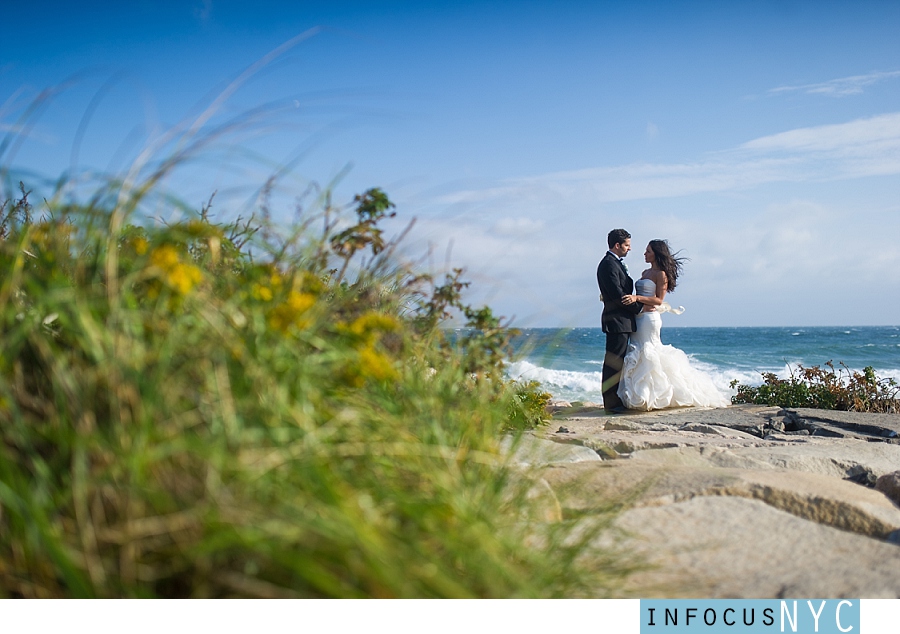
x=618 y=321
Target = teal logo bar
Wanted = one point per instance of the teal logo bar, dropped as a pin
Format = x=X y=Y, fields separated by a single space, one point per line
x=750 y=616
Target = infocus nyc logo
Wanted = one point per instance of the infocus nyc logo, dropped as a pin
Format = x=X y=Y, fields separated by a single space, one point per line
x=750 y=616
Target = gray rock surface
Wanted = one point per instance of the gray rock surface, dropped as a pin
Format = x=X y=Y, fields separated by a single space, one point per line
x=870 y=425
x=819 y=498
x=529 y=451
x=889 y=484
x=736 y=547
x=745 y=501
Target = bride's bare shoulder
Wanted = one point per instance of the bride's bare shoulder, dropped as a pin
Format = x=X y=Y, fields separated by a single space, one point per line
x=654 y=274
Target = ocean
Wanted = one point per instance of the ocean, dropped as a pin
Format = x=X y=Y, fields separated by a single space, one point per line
x=568 y=362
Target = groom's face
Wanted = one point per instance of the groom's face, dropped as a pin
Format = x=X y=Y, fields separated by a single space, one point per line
x=622 y=248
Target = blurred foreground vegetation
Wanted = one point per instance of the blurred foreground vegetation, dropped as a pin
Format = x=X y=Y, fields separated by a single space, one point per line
x=207 y=409
x=834 y=388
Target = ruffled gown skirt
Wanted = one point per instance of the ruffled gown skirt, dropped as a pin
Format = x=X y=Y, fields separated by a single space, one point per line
x=656 y=376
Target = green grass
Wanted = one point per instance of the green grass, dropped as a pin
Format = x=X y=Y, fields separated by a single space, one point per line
x=242 y=409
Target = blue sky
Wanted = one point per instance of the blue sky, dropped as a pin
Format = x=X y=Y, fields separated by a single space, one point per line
x=762 y=138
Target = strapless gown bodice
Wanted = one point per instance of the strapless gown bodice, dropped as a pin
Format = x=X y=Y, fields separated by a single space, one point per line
x=645 y=288
x=655 y=375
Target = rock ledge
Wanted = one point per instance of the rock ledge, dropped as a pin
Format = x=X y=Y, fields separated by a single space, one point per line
x=745 y=501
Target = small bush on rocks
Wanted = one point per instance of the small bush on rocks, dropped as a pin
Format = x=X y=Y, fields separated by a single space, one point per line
x=821 y=388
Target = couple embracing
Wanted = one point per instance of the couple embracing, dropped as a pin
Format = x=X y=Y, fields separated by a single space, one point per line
x=639 y=372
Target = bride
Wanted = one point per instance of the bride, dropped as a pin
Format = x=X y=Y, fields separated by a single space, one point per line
x=656 y=376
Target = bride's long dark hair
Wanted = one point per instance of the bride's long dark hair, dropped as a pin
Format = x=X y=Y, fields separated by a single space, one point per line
x=667 y=261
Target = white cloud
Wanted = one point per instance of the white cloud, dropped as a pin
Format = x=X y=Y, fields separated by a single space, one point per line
x=776 y=255
x=840 y=87
x=870 y=136
x=652 y=131
x=517 y=227
x=864 y=147
x=759 y=260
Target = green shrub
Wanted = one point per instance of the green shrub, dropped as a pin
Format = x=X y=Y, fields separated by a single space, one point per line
x=816 y=387
x=528 y=407
x=207 y=410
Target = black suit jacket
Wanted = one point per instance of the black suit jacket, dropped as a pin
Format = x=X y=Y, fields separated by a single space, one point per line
x=614 y=282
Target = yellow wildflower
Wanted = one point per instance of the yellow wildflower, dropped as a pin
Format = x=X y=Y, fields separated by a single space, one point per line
x=181 y=276
x=269 y=284
x=376 y=365
x=184 y=277
x=367 y=327
x=287 y=313
x=164 y=257
x=300 y=302
x=262 y=292
x=373 y=322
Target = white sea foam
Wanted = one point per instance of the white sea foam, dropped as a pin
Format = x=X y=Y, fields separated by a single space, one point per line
x=722 y=377
x=588 y=386
x=567 y=384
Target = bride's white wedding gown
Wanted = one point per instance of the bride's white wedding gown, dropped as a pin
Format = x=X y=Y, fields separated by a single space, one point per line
x=655 y=375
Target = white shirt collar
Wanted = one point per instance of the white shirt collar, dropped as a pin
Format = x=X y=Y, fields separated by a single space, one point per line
x=615 y=256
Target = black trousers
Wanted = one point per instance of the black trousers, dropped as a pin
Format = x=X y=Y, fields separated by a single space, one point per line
x=616 y=346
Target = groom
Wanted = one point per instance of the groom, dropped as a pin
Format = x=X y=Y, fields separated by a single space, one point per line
x=618 y=319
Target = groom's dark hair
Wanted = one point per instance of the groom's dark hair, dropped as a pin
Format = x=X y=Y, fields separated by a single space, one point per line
x=617 y=236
